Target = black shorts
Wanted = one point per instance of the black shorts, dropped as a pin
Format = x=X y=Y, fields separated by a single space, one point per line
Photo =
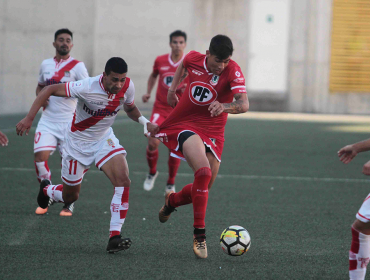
x=184 y=136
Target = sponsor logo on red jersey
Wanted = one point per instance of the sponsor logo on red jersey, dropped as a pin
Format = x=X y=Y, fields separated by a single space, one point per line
x=202 y=94
x=167 y=79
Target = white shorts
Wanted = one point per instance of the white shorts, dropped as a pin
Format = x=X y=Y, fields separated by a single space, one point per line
x=78 y=155
x=364 y=213
x=49 y=136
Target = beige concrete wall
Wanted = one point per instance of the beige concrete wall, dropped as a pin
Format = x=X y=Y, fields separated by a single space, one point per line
x=138 y=30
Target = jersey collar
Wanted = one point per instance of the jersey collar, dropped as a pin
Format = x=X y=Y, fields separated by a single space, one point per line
x=119 y=95
x=177 y=63
x=205 y=66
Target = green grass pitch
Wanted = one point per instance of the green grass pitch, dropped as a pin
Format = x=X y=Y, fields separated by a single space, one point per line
x=280 y=180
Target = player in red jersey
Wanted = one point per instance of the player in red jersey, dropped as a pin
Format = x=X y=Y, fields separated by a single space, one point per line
x=359 y=254
x=3 y=139
x=57 y=112
x=164 y=67
x=195 y=129
x=90 y=139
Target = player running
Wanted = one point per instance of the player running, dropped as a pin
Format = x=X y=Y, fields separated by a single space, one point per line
x=195 y=128
x=359 y=255
x=89 y=138
x=164 y=67
x=58 y=112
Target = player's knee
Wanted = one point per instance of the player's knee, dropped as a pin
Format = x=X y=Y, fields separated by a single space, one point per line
x=122 y=181
x=152 y=146
x=39 y=157
x=361 y=227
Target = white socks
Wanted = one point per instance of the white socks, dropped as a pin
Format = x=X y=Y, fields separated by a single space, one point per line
x=42 y=170
x=118 y=209
x=359 y=255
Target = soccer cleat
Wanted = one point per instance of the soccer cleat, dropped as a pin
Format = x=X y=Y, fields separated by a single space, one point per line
x=41 y=211
x=67 y=210
x=200 y=246
x=117 y=243
x=42 y=199
x=166 y=210
x=149 y=181
x=170 y=188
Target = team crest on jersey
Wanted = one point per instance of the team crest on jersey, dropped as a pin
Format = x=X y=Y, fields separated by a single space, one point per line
x=67 y=74
x=167 y=79
x=214 y=80
x=111 y=143
x=202 y=94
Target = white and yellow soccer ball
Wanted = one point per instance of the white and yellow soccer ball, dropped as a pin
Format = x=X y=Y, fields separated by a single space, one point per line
x=235 y=241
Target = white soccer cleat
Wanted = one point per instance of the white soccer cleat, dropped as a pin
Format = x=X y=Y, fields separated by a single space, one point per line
x=149 y=181
x=170 y=188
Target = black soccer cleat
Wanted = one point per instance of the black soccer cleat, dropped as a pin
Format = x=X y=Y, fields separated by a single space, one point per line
x=42 y=199
x=117 y=243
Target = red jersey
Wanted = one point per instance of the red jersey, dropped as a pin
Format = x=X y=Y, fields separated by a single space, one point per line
x=166 y=68
x=191 y=113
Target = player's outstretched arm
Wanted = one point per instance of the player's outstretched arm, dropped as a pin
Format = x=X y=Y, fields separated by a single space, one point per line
x=38 y=90
x=25 y=124
x=240 y=105
x=151 y=82
x=3 y=139
x=179 y=76
x=134 y=113
x=347 y=153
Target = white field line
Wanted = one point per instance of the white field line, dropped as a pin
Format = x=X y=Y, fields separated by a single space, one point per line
x=224 y=176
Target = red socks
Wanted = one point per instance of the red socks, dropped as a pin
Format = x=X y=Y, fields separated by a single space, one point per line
x=182 y=197
x=199 y=194
x=152 y=158
x=173 y=166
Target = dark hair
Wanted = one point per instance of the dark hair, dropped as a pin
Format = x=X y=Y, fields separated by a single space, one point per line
x=177 y=33
x=116 y=65
x=221 y=46
x=62 y=31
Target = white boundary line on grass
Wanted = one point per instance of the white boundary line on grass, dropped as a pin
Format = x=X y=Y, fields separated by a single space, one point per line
x=223 y=176
x=30 y=223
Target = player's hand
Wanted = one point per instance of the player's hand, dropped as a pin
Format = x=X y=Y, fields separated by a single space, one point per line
x=366 y=168
x=152 y=129
x=216 y=108
x=347 y=153
x=45 y=104
x=3 y=139
x=145 y=97
x=172 y=98
x=24 y=126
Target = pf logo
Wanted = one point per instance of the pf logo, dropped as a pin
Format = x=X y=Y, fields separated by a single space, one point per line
x=167 y=79
x=202 y=94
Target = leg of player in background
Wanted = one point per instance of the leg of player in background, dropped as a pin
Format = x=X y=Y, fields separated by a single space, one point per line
x=42 y=172
x=359 y=254
x=152 y=158
x=173 y=166
x=117 y=171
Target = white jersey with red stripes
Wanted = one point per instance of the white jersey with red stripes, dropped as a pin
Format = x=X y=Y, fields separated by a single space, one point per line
x=96 y=107
x=54 y=72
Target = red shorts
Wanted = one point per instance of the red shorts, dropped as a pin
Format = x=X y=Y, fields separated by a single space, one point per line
x=170 y=136
x=159 y=115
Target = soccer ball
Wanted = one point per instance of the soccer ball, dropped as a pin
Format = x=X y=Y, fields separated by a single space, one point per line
x=235 y=241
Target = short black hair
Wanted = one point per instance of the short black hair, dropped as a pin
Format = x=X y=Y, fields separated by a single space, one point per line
x=177 y=33
x=62 y=31
x=221 y=46
x=116 y=65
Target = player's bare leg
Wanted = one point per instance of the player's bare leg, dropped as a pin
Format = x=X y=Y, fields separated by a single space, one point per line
x=117 y=171
x=42 y=172
x=359 y=255
x=152 y=158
